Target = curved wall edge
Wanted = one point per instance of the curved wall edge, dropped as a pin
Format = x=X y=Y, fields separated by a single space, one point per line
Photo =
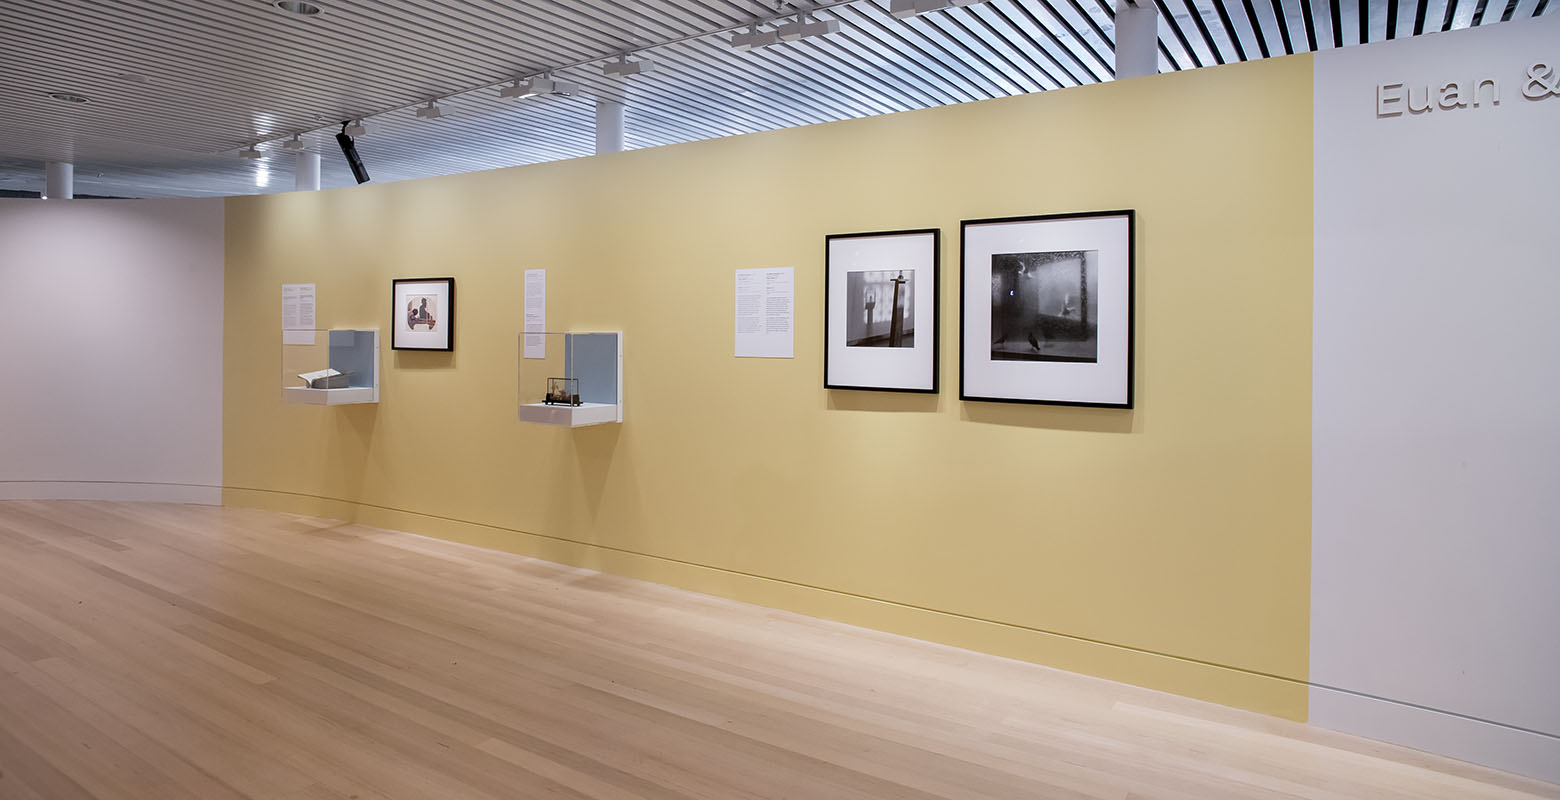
x=1231 y=686
x=111 y=490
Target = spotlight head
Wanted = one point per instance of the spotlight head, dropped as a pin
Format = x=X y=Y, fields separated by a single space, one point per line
x=295 y=144
x=521 y=90
x=349 y=150
x=544 y=84
x=355 y=128
x=805 y=28
x=753 y=39
x=623 y=67
x=904 y=9
x=251 y=152
x=430 y=111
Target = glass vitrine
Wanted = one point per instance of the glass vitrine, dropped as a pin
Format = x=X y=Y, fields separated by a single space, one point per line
x=571 y=379
x=330 y=367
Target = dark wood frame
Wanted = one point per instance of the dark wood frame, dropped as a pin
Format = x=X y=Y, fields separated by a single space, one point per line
x=1131 y=216
x=936 y=308
x=395 y=313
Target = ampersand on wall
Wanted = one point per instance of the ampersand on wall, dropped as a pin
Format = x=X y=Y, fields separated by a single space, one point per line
x=1541 y=82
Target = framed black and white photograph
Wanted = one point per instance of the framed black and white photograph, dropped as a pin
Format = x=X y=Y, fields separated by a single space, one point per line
x=422 y=314
x=881 y=311
x=1047 y=309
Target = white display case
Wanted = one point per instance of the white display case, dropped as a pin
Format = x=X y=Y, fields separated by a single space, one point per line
x=330 y=367
x=578 y=382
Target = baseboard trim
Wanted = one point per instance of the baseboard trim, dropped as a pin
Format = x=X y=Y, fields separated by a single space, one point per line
x=1536 y=755
x=133 y=491
x=1231 y=686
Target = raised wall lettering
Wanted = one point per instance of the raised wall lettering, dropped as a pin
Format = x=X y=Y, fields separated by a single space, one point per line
x=1451 y=96
x=1392 y=99
x=1494 y=92
x=1541 y=82
x=1389 y=100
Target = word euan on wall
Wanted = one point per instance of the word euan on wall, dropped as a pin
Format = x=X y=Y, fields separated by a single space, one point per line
x=1393 y=99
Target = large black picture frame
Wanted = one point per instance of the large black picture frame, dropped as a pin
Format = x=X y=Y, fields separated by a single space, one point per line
x=880 y=358
x=440 y=335
x=1015 y=280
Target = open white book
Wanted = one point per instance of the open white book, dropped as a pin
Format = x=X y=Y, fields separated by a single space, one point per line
x=325 y=379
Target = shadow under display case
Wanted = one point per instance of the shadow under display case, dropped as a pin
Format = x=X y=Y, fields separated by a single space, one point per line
x=577 y=382
x=330 y=367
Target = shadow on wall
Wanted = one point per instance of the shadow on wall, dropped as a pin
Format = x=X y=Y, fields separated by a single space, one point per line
x=424 y=359
x=594 y=447
x=856 y=400
x=355 y=428
x=1062 y=418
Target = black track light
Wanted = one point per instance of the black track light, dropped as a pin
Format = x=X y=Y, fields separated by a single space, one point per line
x=349 y=149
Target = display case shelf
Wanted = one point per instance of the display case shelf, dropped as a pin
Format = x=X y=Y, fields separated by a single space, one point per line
x=332 y=397
x=577 y=382
x=330 y=367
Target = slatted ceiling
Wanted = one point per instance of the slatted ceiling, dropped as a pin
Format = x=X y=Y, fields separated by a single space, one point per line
x=1058 y=31
x=1250 y=22
x=1020 y=35
x=176 y=89
x=1524 y=10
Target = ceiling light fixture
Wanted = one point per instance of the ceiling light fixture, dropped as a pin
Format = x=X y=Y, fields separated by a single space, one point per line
x=431 y=111
x=301 y=9
x=69 y=97
x=753 y=39
x=623 y=67
x=251 y=152
x=904 y=9
x=805 y=27
x=295 y=144
x=535 y=87
x=355 y=128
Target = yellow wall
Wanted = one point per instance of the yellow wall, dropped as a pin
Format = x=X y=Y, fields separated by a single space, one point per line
x=1166 y=546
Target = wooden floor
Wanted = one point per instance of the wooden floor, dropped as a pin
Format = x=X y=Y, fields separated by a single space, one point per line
x=165 y=652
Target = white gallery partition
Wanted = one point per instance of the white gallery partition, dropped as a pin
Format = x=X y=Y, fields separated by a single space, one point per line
x=1436 y=510
x=111 y=380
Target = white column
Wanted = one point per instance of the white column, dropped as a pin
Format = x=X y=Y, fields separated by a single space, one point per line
x=59 y=180
x=306 y=173
x=609 y=126
x=1137 y=39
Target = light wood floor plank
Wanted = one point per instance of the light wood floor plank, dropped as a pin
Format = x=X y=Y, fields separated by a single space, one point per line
x=161 y=651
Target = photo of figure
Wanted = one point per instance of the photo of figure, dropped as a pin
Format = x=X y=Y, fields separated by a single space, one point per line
x=420 y=310
x=880 y=308
x=1045 y=306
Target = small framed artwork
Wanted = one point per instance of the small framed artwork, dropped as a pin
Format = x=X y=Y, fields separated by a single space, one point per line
x=422 y=314
x=1047 y=309
x=880 y=311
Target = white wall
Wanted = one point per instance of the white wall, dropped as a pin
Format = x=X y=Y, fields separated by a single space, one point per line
x=1436 y=530
x=111 y=370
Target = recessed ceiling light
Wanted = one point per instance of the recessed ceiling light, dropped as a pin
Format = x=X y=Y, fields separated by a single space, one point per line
x=68 y=97
x=301 y=9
